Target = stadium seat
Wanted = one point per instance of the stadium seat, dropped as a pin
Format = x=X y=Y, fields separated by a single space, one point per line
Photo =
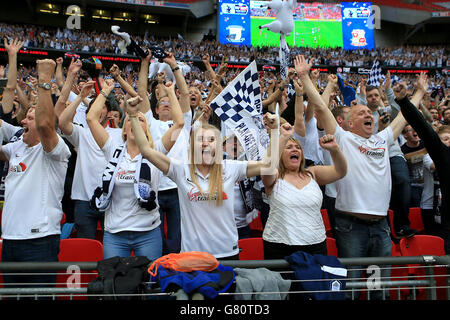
x=425 y=245
x=79 y=250
x=326 y=222
x=398 y=273
x=331 y=247
x=256 y=226
x=251 y=249
x=415 y=219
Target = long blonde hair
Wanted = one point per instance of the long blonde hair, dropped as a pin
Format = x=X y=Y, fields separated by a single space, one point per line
x=215 y=173
x=146 y=130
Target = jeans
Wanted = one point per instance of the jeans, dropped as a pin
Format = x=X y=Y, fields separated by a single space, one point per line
x=45 y=249
x=86 y=219
x=401 y=192
x=142 y=243
x=356 y=239
x=170 y=205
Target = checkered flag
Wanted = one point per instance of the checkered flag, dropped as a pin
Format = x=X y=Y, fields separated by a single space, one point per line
x=242 y=97
x=284 y=58
x=375 y=75
x=239 y=106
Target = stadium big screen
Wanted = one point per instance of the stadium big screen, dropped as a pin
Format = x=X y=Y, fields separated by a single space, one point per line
x=326 y=25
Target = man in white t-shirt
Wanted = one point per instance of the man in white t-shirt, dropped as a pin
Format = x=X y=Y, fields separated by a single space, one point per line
x=362 y=199
x=35 y=185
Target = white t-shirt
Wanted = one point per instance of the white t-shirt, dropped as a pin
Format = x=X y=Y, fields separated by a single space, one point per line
x=157 y=130
x=428 y=184
x=124 y=212
x=80 y=114
x=366 y=188
x=34 y=189
x=91 y=161
x=204 y=226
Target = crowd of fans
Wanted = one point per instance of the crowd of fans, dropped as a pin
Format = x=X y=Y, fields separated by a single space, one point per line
x=106 y=42
x=130 y=124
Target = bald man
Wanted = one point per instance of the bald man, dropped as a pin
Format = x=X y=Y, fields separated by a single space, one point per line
x=362 y=199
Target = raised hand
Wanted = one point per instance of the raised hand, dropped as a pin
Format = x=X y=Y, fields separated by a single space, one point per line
x=332 y=78
x=170 y=60
x=328 y=142
x=75 y=66
x=59 y=61
x=107 y=85
x=270 y=120
x=13 y=46
x=45 y=68
x=400 y=90
x=301 y=66
x=387 y=81
x=422 y=82
x=286 y=130
x=86 y=88
x=133 y=105
x=298 y=86
x=114 y=71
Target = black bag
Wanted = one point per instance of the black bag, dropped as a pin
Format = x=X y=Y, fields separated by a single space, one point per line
x=119 y=277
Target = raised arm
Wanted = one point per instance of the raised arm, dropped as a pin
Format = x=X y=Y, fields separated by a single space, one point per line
x=59 y=74
x=66 y=117
x=328 y=174
x=323 y=112
x=209 y=69
x=299 y=123
x=142 y=84
x=181 y=82
x=115 y=72
x=400 y=92
x=159 y=160
x=45 y=113
x=170 y=136
x=99 y=132
x=75 y=66
x=8 y=93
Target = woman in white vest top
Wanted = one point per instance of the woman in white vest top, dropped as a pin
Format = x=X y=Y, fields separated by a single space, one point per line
x=295 y=222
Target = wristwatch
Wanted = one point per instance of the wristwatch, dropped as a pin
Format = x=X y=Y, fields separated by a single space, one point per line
x=45 y=85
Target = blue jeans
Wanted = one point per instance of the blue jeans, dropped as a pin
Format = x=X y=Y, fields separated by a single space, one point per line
x=356 y=239
x=86 y=219
x=170 y=205
x=401 y=192
x=45 y=249
x=142 y=243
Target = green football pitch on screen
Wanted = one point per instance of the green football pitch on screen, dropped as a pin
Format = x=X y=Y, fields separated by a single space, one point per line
x=325 y=34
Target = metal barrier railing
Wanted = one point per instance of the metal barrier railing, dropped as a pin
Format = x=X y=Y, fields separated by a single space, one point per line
x=414 y=283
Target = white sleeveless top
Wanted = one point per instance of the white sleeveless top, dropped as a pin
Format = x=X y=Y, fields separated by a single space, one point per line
x=295 y=217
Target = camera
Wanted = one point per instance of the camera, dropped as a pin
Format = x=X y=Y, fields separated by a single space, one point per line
x=158 y=53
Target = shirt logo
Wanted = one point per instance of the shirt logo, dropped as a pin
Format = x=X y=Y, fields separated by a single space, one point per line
x=125 y=176
x=372 y=152
x=21 y=167
x=195 y=196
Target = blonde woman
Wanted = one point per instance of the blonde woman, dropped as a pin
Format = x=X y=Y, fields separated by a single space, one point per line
x=295 y=198
x=129 y=182
x=206 y=188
